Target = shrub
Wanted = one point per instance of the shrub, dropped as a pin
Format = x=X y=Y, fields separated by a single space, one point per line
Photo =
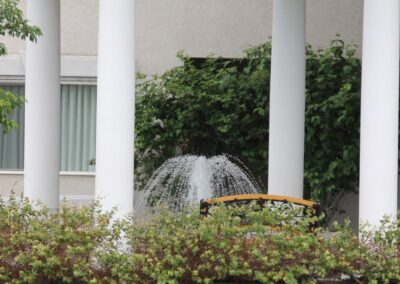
x=41 y=246
x=332 y=124
x=85 y=245
x=182 y=248
x=222 y=105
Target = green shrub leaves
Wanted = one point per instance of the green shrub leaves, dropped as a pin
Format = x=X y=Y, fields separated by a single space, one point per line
x=248 y=243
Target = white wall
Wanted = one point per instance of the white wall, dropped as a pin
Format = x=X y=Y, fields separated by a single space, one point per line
x=200 y=27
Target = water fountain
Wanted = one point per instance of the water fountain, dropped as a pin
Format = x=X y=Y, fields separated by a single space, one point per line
x=185 y=180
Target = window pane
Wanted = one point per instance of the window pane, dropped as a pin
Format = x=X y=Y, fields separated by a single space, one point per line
x=78 y=130
x=78 y=136
x=12 y=143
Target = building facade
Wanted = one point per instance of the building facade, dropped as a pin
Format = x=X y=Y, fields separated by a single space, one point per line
x=162 y=28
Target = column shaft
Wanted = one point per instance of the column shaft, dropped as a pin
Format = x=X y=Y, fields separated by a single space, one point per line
x=379 y=111
x=287 y=99
x=42 y=111
x=115 y=105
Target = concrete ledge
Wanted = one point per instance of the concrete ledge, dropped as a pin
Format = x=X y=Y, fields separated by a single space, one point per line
x=73 y=185
x=12 y=68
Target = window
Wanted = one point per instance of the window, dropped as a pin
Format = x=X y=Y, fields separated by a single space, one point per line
x=12 y=143
x=78 y=130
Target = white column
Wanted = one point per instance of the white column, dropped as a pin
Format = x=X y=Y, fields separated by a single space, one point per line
x=287 y=99
x=115 y=105
x=379 y=110
x=42 y=111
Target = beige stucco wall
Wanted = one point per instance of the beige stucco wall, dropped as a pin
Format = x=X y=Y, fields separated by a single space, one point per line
x=200 y=27
x=76 y=188
x=78 y=28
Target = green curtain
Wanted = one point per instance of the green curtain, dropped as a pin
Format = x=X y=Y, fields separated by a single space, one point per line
x=78 y=130
x=12 y=143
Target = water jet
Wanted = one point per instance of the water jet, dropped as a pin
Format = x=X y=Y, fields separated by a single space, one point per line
x=185 y=180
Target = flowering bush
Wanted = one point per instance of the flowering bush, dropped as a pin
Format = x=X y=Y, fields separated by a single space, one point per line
x=85 y=245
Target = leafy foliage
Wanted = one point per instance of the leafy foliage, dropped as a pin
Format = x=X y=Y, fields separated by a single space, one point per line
x=14 y=24
x=270 y=245
x=8 y=102
x=38 y=245
x=222 y=106
x=218 y=108
x=332 y=124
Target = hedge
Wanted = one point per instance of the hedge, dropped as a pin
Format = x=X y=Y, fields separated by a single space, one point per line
x=268 y=245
